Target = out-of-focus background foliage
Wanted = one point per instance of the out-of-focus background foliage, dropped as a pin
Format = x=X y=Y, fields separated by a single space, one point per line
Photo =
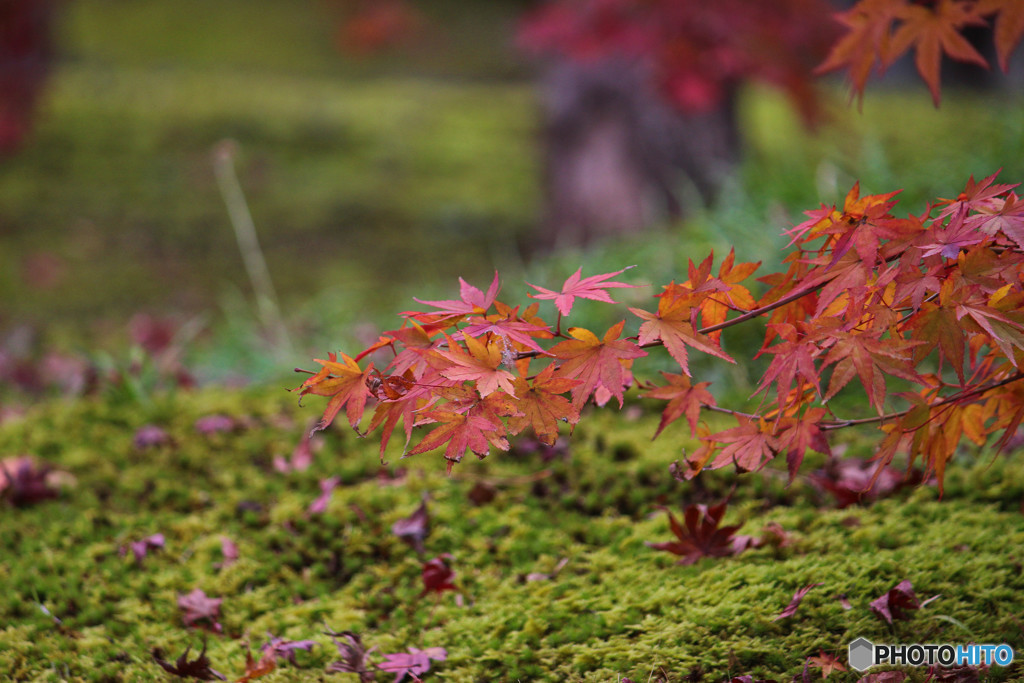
x=371 y=178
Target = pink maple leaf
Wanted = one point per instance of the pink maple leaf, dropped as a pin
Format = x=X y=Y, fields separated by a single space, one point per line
x=199 y=607
x=472 y=302
x=586 y=288
x=414 y=662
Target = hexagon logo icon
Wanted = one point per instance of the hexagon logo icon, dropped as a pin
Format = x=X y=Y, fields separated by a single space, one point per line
x=862 y=654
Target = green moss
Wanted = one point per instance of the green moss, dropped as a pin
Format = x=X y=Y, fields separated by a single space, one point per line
x=616 y=608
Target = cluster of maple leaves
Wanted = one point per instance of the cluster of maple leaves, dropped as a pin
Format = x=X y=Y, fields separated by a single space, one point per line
x=881 y=31
x=933 y=302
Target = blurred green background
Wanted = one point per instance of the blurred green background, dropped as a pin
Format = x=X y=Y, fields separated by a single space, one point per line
x=376 y=179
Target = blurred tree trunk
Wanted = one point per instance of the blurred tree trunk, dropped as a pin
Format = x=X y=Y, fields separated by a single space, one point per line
x=619 y=157
x=24 y=62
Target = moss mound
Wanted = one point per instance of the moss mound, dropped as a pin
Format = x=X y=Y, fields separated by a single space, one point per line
x=553 y=579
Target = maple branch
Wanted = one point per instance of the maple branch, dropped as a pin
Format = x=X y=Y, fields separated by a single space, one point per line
x=831 y=425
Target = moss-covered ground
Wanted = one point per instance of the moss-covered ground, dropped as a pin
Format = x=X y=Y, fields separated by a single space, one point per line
x=75 y=607
x=371 y=183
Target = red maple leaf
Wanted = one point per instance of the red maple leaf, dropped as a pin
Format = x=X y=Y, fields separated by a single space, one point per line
x=438 y=576
x=542 y=405
x=793 y=362
x=702 y=536
x=684 y=398
x=869 y=23
x=475 y=428
x=509 y=327
x=870 y=359
x=587 y=288
x=748 y=446
x=796 y=434
x=978 y=195
x=897 y=603
x=597 y=362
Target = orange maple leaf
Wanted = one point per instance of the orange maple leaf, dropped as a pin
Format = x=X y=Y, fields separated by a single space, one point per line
x=597 y=362
x=1009 y=28
x=869 y=23
x=673 y=327
x=345 y=383
x=480 y=365
x=933 y=32
x=828 y=663
x=715 y=309
x=542 y=405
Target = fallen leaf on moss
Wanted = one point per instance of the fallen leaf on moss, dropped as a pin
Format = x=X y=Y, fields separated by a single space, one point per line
x=701 y=536
x=199 y=668
x=884 y=677
x=142 y=547
x=794 y=604
x=229 y=549
x=24 y=480
x=354 y=656
x=828 y=664
x=150 y=436
x=198 y=608
x=214 y=424
x=438 y=575
x=327 y=487
x=414 y=528
x=414 y=663
x=280 y=648
x=897 y=603
x=857 y=481
x=257 y=668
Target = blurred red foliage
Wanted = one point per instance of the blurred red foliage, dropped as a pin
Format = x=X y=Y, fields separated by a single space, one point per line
x=697 y=51
x=25 y=53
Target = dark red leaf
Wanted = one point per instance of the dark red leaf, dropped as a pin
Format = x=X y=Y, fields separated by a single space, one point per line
x=850 y=480
x=24 y=481
x=354 y=656
x=794 y=604
x=438 y=575
x=701 y=536
x=199 y=668
x=897 y=603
